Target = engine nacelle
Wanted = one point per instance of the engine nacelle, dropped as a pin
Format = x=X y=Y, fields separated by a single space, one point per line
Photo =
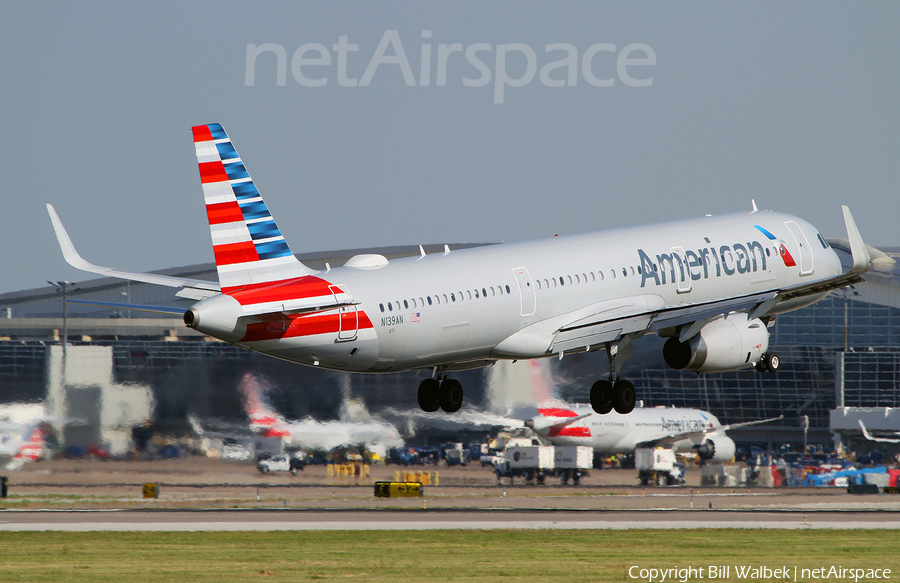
x=725 y=344
x=717 y=449
x=218 y=316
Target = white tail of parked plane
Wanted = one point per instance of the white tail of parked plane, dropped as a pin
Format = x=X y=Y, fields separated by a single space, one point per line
x=21 y=434
x=710 y=285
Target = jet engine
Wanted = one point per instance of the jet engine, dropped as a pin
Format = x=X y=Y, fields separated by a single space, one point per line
x=217 y=316
x=722 y=345
x=717 y=449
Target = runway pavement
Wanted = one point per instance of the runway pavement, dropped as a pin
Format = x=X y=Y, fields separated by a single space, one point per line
x=423 y=519
x=199 y=494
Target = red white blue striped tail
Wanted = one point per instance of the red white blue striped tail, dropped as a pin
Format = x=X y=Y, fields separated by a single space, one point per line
x=248 y=246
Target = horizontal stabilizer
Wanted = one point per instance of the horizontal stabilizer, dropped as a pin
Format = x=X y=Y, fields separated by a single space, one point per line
x=200 y=287
x=540 y=426
x=134 y=307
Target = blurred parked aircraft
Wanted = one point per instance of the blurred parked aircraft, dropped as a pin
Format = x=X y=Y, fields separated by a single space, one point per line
x=682 y=430
x=355 y=429
x=21 y=434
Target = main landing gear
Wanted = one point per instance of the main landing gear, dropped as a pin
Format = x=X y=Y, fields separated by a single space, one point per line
x=609 y=395
x=443 y=393
x=615 y=393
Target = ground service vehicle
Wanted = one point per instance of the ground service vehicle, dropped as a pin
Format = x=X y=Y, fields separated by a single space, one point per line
x=657 y=466
x=282 y=463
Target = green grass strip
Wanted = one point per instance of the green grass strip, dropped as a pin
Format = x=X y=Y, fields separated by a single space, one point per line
x=456 y=555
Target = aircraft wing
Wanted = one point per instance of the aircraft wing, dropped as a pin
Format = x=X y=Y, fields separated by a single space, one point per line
x=194 y=289
x=747 y=424
x=871 y=437
x=610 y=320
x=609 y=327
x=699 y=436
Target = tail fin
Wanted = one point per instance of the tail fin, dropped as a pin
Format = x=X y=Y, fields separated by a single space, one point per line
x=248 y=245
x=30 y=446
x=264 y=420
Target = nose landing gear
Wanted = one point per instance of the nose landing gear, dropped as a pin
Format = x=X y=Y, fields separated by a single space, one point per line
x=768 y=362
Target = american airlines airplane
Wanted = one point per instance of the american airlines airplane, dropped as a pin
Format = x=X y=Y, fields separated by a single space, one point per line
x=710 y=285
x=311 y=435
x=682 y=430
x=21 y=434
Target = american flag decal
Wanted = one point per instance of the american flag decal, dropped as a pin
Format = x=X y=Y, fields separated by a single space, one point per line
x=415 y=316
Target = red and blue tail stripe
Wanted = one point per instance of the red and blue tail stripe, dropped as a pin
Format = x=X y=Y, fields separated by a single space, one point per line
x=248 y=245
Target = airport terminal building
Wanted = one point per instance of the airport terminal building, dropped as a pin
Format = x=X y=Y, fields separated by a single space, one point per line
x=124 y=368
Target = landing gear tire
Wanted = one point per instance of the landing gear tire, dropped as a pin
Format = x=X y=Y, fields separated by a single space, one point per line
x=451 y=396
x=623 y=397
x=769 y=361
x=428 y=395
x=602 y=397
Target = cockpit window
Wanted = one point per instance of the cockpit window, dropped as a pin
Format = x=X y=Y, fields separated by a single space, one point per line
x=822 y=241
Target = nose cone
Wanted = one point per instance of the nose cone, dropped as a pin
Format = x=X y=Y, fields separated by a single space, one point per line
x=218 y=316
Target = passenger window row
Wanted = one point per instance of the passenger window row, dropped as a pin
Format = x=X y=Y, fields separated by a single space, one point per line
x=438 y=299
x=590 y=276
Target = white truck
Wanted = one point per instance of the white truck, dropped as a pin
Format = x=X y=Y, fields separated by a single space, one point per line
x=283 y=463
x=657 y=466
x=573 y=461
x=538 y=462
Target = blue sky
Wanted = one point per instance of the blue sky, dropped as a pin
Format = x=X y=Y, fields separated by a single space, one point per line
x=794 y=105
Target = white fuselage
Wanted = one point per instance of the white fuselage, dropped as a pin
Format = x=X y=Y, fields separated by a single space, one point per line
x=470 y=307
x=327 y=436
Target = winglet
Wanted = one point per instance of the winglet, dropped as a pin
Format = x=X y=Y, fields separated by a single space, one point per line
x=65 y=243
x=857 y=247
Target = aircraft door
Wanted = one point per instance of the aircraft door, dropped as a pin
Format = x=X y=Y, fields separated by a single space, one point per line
x=348 y=316
x=526 y=290
x=682 y=273
x=806 y=252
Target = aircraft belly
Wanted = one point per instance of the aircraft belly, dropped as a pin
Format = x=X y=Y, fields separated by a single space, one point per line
x=323 y=350
x=436 y=339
